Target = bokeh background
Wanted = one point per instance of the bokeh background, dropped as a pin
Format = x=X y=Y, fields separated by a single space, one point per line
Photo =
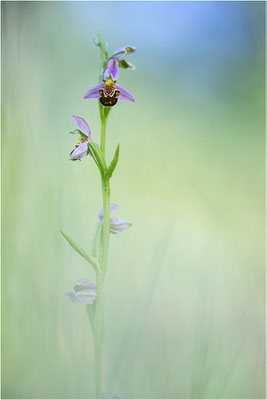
x=185 y=285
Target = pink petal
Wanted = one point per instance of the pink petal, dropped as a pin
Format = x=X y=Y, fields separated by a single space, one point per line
x=124 y=94
x=93 y=93
x=79 y=152
x=112 y=69
x=118 y=225
x=82 y=124
x=119 y=54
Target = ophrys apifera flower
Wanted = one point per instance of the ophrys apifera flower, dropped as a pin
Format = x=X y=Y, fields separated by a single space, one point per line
x=108 y=92
x=81 y=149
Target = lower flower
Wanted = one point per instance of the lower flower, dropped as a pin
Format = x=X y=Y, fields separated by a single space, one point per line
x=85 y=292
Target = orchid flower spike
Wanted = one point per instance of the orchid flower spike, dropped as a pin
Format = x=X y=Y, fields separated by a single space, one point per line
x=81 y=149
x=85 y=292
x=117 y=225
x=108 y=92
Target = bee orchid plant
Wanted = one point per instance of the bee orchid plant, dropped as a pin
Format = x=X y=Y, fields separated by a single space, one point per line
x=107 y=93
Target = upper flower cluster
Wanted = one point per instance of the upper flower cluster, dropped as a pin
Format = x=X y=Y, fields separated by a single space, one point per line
x=108 y=91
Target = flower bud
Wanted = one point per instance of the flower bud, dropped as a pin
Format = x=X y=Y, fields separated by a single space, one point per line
x=130 y=49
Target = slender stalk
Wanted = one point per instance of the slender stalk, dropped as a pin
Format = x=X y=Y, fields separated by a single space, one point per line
x=97 y=242
x=101 y=233
x=99 y=335
x=106 y=224
x=105 y=195
x=100 y=301
x=103 y=132
x=98 y=325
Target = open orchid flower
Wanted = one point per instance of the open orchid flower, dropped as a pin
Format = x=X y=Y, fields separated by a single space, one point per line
x=119 y=55
x=85 y=292
x=81 y=149
x=117 y=225
x=108 y=92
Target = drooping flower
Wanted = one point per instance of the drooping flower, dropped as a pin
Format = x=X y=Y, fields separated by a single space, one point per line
x=85 y=292
x=117 y=225
x=108 y=92
x=81 y=149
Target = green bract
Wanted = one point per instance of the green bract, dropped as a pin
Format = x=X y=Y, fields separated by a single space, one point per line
x=113 y=163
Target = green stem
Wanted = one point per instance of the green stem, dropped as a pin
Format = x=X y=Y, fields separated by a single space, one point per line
x=103 y=131
x=106 y=196
x=106 y=224
x=96 y=252
x=101 y=236
x=100 y=278
x=100 y=303
x=99 y=335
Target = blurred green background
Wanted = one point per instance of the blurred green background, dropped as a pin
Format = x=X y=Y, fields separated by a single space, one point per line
x=185 y=285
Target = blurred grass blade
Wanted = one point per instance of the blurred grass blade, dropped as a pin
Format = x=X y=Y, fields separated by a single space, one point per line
x=144 y=299
x=91 y=260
